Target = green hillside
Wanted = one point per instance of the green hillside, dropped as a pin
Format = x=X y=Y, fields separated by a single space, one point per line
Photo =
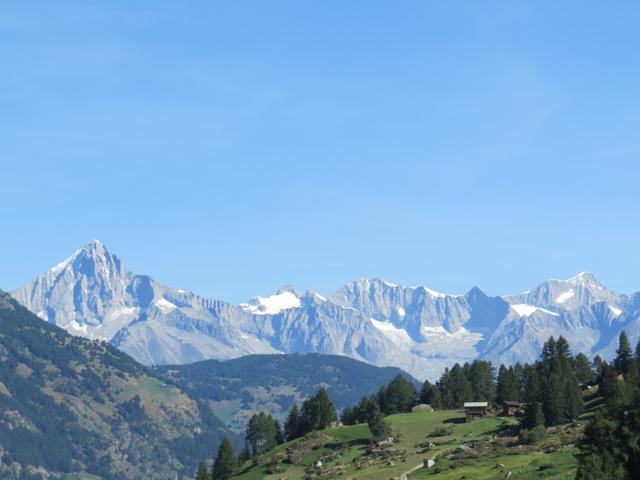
x=487 y=448
x=238 y=388
x=73 y=405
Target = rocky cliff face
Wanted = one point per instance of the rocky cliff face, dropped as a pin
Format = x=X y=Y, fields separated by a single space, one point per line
x=418 y=329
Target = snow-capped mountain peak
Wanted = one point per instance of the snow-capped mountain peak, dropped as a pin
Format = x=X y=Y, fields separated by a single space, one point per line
x=92 y=294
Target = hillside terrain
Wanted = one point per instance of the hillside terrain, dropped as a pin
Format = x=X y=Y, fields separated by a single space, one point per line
x=236 y=389
x=485 y=449
x=69 y=404
x=418 y=329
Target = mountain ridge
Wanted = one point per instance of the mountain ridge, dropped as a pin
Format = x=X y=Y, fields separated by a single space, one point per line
x=418 y=329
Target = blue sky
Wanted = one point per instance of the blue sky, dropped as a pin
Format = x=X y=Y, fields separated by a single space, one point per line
x=232 y=147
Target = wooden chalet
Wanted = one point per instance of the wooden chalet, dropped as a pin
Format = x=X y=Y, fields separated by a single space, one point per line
x=511 y=408
x=473 y=410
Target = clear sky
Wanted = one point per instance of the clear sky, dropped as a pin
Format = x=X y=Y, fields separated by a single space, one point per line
x=232 y=147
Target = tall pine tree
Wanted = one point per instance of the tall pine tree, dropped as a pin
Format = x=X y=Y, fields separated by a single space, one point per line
x=400 y=396
x=317 y=412
x=584 y=372
x=481 y=376
x=202 y=473
x=225 y=462
x=292 y=424
x=261 y=433
x=379 y=428
x=624 y=357
x=507 y=388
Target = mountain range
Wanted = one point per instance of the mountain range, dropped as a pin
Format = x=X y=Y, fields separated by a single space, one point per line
x=423 y=331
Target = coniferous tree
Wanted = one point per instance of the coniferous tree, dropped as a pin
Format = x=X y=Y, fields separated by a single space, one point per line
x=584 y=372
x=261 y=433
x=377 y=425
x=244 y=456
x=573 y=400
x=225 y=462
x=532 y=391
x=548 y=355
x=202 y=473
x=599 y=457
x=348 y=416
x=436 y=401
x=607 y=381
x=400 y=396
x=481 y=376
x=563 y=352
x=455 y=387
x=533 y=416
x=506 y=388
x=382 y=398
x=357 y=413
x=553 y=400
x=365 y=407
x=279 y=433
x=317 y=412
x=624 y=357
x=430 y=394
x=518 y=375
x=561 y=396
x=598 y=363
x=292 y=424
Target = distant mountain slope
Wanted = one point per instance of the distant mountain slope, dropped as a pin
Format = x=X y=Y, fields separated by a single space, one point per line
x=69 y=404
x=418 y=329
x=237 y=388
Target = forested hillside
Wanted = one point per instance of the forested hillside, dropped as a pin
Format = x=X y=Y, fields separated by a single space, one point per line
x=273 y=383
x=579 y=419
x=69 y=404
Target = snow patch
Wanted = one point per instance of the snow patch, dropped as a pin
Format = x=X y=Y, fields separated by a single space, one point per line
x=401 y=311
x=616 y=311
x=563 y=297
x=165 y=305
x=319 y=297
x=79 y=328
x=525 y=310
x=434 y=331
x=121 y=312
x=433 y=293
x=271 y=305
x=397 y=335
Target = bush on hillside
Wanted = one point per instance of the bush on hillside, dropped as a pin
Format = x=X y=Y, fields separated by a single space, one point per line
x=535 y=435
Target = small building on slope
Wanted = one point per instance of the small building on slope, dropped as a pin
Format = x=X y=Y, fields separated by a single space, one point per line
x=473 y=410
x=511 y=408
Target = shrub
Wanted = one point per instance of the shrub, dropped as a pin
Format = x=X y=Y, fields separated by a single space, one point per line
x=442 y=431
x=535 y=435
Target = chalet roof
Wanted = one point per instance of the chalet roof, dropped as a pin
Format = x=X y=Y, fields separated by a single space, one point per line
x=475 y=404
x=511 y=403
